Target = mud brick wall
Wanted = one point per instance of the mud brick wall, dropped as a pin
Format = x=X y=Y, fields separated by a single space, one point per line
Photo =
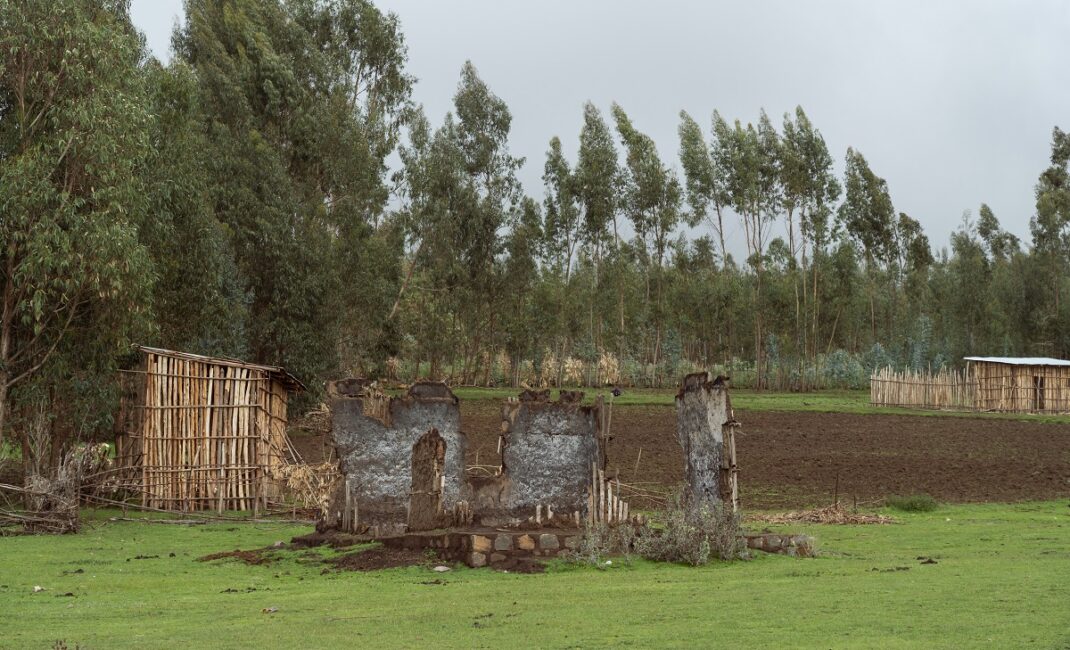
x=374 y=436
x=547 y=452
x=702 y=410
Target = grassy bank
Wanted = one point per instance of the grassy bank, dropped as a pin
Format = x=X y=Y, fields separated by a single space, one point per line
x=999 y=581
x=829 y=401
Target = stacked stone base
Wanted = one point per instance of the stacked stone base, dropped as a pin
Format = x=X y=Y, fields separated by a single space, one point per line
x=510 y=549
x=497 y=549
x=793 y=545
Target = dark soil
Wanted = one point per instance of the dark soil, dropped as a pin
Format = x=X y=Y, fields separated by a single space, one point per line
x=249 y=557
x=377 y=558
x=332 y=538
x=793 y=459
x=520 y=565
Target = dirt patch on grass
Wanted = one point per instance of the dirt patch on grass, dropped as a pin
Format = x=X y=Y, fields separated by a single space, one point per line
x=254 y=557
x=380 y=557
x=331 y=538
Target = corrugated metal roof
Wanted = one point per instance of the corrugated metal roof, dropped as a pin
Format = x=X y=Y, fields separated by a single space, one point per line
x=1022 y=361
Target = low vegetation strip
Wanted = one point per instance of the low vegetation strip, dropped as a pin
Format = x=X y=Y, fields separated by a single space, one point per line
x=925 y=579
x=828 y=401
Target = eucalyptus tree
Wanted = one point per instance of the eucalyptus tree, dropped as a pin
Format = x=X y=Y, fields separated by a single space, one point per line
x=796 y=182
x=75 y=279
x=707 y=172
x=482 y=133
x=597 y=177
x=811 y=186
x=561 y=232
x=201 y=312
x=705 y=175
x=910 y=295
x=520 y=318
x=868 y=218
x=969 y=300
x=1000 y=243
x=1050 y=227
x=651 y=200
x=460 y=194
x=562 y=221
x=753 y=185
x=303 y=103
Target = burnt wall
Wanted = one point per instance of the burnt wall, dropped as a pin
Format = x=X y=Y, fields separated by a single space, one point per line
x=702 y=410
x=374 y=436
x=547 y=452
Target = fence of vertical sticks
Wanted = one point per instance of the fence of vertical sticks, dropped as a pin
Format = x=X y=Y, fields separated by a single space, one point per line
x=944 y=389
x=1006 y=387
x=202 y=433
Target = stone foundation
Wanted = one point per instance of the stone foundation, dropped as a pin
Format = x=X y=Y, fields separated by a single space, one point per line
x=506 y=549
x=493 y=548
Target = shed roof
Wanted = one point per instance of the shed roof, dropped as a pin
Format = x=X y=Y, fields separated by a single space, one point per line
x=1022 y=361
x=293 y=384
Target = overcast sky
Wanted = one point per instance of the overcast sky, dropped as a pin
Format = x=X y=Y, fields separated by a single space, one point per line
x=953 y=103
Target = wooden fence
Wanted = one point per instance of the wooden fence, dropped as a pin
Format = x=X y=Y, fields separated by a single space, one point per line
x=944 y=389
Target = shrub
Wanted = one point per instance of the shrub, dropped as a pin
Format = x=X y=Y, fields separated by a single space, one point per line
x=913 y=503
x=691 y=535
x=600 y=540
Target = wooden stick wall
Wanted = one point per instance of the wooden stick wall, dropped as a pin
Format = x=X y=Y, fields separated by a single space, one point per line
x=604 y=502
x=945 y=389
x=210 y=434
x=981 y=386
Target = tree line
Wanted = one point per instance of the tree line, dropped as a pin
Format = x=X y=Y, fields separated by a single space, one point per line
x=274 y=194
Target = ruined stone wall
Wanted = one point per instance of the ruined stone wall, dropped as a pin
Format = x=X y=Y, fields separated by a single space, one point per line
x=547 y=452
x=375 y=435
x=702 y=411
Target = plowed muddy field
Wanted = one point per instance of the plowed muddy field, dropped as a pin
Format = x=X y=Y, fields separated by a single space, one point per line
x=798 y=459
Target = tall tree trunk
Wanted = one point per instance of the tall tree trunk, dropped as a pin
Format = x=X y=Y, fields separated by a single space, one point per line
x=405 y=282
x=816 y=307
x=795 y=288
x=7 y=318
x=720 y=234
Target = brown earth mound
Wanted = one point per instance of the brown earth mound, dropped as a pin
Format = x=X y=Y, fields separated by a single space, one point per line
x=377 y=558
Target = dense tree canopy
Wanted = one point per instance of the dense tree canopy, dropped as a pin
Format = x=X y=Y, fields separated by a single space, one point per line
x=272 y=193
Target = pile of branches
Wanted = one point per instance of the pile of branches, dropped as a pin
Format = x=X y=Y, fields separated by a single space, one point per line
x=311 y=486
x=834 y=514
x=49 y=504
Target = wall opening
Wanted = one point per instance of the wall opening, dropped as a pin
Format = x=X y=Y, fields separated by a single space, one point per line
x=428 y=481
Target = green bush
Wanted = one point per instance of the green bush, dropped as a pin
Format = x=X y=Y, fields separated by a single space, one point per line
x=600 y=540
x=692 y=535
x=913 y=503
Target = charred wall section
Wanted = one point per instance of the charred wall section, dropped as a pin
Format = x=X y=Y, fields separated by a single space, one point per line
x=548 y=449
x=703 y=411
x=374 y=436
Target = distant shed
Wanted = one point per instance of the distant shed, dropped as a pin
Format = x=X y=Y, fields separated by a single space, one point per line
x=1020 y=384
x=199 y=433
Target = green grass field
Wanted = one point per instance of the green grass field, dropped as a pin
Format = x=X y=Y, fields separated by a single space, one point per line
x=826 y=401
x=1002 y=580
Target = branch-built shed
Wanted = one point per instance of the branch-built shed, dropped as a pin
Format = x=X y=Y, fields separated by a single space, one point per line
x=1020 y=384
x=201 y=433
